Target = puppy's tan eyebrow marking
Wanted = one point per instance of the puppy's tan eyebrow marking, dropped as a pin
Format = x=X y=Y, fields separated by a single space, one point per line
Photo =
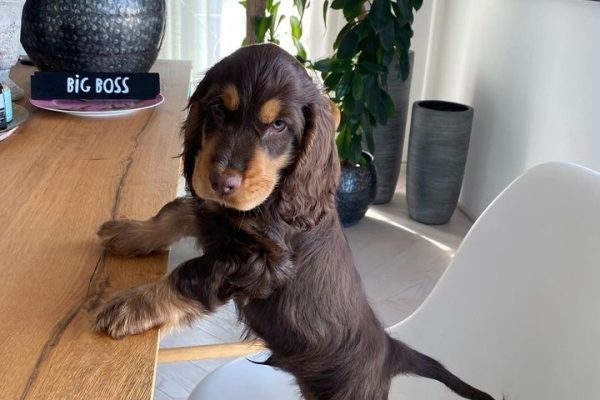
x=231 y=98
x=269 y=110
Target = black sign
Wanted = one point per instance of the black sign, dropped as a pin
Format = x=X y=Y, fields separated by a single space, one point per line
x=94 y=85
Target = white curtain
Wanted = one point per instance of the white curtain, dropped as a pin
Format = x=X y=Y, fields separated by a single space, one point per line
x=205 y=31
x=317 y=39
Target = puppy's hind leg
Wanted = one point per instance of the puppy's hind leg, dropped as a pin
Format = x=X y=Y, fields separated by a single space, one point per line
x=131 y=238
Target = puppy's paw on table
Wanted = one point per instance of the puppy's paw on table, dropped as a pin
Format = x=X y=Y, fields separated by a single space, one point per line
x=129 y=238
x=128 y=313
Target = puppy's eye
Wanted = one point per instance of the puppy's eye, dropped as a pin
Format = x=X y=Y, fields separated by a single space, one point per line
x=218 y=109
x=278 y=125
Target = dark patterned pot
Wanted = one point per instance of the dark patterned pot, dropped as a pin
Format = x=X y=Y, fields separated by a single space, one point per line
x=358 y=186
x=93 y=35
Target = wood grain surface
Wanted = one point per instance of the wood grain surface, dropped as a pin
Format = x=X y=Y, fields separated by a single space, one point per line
x=60 y=177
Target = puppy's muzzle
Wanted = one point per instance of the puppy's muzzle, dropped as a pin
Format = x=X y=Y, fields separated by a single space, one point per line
x=225 y=183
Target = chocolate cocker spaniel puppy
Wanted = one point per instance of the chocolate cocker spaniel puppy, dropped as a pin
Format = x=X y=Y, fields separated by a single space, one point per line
x=261 y=164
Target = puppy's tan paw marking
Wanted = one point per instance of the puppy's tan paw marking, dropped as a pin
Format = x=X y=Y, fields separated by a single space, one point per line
x=125 y=237
x=128 y=313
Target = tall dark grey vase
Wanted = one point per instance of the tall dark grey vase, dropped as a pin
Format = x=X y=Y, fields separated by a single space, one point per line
x=437 y=153
x=389 y=139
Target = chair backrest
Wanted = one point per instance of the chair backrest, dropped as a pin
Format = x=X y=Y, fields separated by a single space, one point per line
x=517 y=313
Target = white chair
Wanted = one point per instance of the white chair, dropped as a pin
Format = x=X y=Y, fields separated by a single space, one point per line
x=517 y=312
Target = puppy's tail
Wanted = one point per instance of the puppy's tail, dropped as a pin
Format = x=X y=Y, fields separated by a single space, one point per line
x=404 y=360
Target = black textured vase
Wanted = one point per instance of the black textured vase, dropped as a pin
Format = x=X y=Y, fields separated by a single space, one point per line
x=93 y=35
x=389 y=139
x=437 y=153
x=358 y=186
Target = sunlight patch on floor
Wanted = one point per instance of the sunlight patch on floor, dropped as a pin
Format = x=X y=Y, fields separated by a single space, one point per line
x=380 y=217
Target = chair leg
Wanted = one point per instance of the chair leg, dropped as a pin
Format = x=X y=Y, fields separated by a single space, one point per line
x=204 y=352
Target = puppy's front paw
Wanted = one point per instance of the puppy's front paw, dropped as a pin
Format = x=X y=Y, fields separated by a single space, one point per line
x=127 y=237
x=128 y=313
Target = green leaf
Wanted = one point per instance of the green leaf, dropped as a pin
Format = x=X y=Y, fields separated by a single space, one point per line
x=332 y=80
x=300 y=49
x=404 y=64
x=350 y=107
x=364 y=29
x=355 y=148
x=340 y=4
x=369 y=80
x=358 y=85
x=261 y=25
x=273 y=13
x=368 y=132
x=328 y=65
x=324 y=65
x=296 y=27
x=381 y=112
x=354 y=120
x=341 y=35
x=325 y=9
x=244 y=3
x=400 y=17
x=387 y=36
x=368 y=47
x=388 y=103
x=344 y=85
x=373 y=67
x=343 y=143
x=350 y=13
x=373 y=120
x=387 y=57
x=348 y=45
x=300 y=6
x=382 y=20
x=378 y=14
x=376 y=106
x=417 y=4
x=279 y=21
x=407 y=10
x=402 y=34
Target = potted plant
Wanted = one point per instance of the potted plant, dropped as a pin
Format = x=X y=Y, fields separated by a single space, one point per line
x=263 y=20
x=356 y=76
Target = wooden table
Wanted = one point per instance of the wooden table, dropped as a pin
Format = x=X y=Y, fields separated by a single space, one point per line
x=60 y=178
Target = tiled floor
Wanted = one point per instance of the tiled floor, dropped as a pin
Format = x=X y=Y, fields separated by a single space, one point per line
x=400 y=261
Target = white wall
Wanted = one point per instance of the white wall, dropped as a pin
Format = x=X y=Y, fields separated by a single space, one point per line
x=531 y=69
x=423 y=28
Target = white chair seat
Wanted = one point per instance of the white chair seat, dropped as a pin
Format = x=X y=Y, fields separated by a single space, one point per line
x=517 y=312
x=242 y=379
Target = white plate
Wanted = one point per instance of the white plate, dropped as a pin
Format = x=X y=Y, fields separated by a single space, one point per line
x=98 y=108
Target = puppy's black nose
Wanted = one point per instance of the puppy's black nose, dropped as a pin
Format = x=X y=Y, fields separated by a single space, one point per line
x=226 y=183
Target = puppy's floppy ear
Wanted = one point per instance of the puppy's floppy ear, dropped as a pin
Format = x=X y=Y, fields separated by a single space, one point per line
x=335 y=111
x=192 y=128
x=309 y=191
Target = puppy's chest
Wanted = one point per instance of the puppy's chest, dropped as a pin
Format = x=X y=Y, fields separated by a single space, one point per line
x=254 y=254
x=243 y=232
